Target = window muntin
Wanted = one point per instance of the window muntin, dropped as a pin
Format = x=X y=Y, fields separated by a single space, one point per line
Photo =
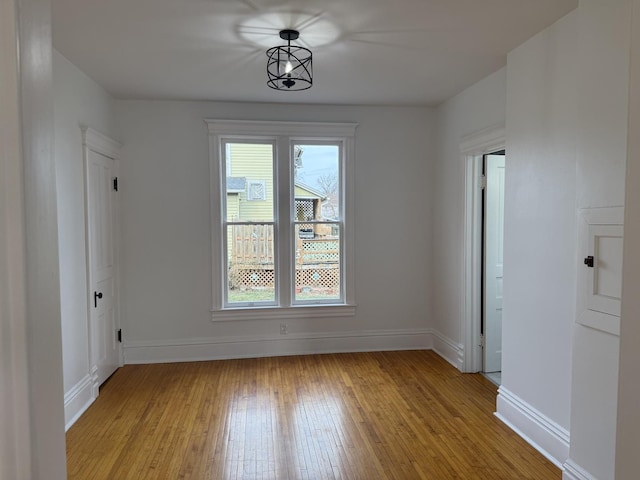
x=289 y=219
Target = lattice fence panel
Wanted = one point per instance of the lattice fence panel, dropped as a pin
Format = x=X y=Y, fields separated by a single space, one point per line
x=328 y=277
x=305 y=210
x=319 y=251
x=248 y=278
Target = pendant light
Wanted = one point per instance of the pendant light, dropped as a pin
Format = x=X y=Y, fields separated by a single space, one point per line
x=289 y=67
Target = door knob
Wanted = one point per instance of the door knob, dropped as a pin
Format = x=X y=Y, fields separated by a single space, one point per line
x=96 y=296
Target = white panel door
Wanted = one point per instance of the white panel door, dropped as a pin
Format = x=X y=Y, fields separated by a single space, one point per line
x=104 y=346
x=493 y=255
x=605 y=241
x=600 y=273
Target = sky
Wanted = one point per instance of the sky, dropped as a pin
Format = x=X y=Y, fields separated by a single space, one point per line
x=317 y=160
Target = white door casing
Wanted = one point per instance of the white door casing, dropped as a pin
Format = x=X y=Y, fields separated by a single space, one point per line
x=493 y=262
x=101 y=163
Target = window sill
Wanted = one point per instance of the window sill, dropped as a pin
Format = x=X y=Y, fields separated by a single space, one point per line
x=281 y=313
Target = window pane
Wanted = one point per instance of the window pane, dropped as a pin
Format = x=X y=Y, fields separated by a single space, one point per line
x=317 y=261
x=317 y=182
x=250 y=266
x=249 y=182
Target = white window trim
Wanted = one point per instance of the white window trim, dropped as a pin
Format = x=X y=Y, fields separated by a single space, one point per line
x=286 y=132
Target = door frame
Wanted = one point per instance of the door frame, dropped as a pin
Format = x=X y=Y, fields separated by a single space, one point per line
x=16 y=452
x=473 y=147
x=94 y=141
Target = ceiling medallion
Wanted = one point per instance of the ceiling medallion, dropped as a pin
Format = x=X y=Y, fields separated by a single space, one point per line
x=289 y=67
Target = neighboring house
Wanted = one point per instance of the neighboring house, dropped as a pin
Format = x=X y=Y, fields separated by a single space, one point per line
x=250 y=186
x=236 y=186
x=309 y=203
x=243 y=196
x=249 y=182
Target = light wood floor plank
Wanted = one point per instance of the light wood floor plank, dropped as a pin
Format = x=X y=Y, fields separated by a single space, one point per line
x=370 y=416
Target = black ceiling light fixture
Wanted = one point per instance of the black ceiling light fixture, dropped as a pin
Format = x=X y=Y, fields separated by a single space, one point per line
x=289 y=67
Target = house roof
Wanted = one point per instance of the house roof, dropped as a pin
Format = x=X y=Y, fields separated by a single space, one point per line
x=312 y=192
x=239 y=185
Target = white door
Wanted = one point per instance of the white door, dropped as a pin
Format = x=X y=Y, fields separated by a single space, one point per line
x=493 y=254
x=103 y=327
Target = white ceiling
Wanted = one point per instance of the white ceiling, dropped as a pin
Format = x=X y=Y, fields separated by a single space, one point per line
x=402 y=52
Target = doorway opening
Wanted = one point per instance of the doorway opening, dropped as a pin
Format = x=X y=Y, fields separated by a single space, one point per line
x=493 y=168
x=474 y=148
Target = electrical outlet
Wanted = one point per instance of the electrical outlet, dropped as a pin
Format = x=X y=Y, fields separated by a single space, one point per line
x=284 y=329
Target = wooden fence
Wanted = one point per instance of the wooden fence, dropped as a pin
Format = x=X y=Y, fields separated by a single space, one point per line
x=251 y=257
x=253 y=245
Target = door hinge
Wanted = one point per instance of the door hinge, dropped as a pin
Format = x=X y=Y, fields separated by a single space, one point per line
x=120 y=335
x=115 y=183
x=483 y=181
x=96 y=297
x=482 y=341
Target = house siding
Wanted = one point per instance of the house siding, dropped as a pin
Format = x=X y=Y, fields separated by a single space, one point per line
x=255 y=162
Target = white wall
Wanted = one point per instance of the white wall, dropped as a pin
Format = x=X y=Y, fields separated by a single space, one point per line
x=481 y=106
x=540 y=236
x=15 y=437
x=42 y=288
x=566 y=131
x=166 y=258
x=78 y=100
x=628 y=424
x=604 y=35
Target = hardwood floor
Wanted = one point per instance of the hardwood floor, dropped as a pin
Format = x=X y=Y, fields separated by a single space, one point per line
x=370 y=416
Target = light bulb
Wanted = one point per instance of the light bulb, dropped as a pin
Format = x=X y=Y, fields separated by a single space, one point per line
x=288 y=67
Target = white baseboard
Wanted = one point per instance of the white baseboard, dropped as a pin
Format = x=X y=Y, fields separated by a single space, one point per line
x=187 y=350
x=573 y=471
x=77 y=400
x=451 y=351
x=541 y=432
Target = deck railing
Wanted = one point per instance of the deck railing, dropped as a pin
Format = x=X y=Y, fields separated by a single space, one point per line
x=253 y=245
x=251 y=257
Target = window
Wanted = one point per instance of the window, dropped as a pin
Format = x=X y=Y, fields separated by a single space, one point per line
x=284 y=246
x=256 y=190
